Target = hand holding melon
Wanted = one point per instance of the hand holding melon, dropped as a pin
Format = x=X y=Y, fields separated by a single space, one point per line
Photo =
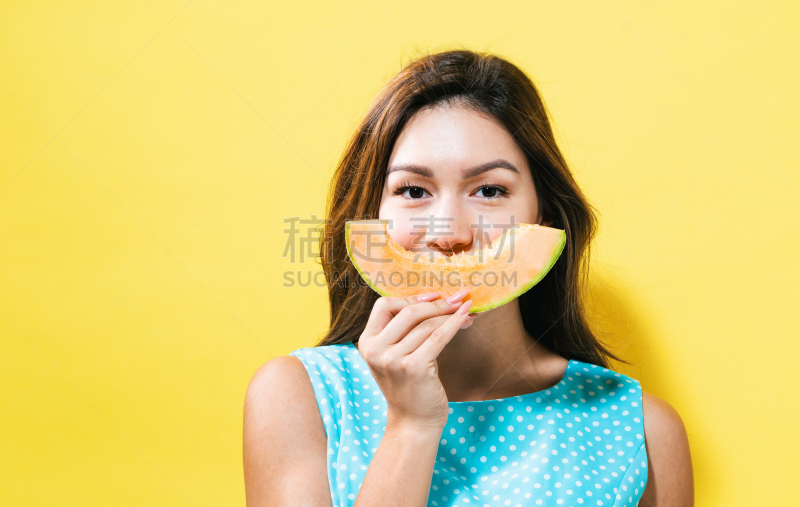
x=400 y=343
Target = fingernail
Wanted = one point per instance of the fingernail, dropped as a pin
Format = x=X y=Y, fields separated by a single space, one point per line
x=465 y=324
x=464 y=309
x=430 y=296
x=458 y=296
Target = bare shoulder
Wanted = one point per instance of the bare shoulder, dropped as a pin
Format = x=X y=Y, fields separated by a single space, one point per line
x=280 y=391
x=670 y=475
x=276 y=376
x=284 y=441
x=660 y=418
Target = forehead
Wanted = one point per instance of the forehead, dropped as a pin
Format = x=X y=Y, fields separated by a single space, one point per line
x=454 y=137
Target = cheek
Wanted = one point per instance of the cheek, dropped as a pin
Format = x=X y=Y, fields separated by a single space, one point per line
x=498 y=221
x=403 y=231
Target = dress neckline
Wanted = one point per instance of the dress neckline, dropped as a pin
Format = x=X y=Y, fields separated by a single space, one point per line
x=544 y=393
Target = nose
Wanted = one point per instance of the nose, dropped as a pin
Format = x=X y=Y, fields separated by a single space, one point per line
x=449 y=231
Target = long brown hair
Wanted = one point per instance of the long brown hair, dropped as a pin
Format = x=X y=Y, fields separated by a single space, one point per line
x=553 y=310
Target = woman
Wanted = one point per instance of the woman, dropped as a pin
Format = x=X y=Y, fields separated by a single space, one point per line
x=412 y=401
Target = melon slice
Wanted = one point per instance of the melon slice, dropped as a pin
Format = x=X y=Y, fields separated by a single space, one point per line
x=493 y=275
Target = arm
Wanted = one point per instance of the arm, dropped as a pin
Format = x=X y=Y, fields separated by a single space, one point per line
x=285 y=446
x=400 y=344
x=401 y=470
x=670 y=479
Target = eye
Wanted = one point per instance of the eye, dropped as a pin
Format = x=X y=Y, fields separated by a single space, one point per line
x=410 y=192
x=491 y=191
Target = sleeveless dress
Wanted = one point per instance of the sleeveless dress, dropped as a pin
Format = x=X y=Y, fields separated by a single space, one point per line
x=579 y=443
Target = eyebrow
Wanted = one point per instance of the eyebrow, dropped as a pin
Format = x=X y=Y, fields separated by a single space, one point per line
x=469 y=173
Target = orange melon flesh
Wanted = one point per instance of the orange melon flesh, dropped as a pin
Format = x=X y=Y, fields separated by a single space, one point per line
x=493 y=275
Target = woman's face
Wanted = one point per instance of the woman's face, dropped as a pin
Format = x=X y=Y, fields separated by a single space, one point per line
x=454 y=177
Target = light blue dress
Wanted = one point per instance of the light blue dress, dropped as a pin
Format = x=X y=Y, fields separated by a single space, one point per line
x=579 y=443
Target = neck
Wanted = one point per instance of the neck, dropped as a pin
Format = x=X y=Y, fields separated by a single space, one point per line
x=496 y=357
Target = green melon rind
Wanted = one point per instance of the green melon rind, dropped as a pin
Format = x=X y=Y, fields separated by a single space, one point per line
x=489 y=306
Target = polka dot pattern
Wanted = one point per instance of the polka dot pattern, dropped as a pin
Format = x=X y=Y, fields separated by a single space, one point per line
x=579 y=443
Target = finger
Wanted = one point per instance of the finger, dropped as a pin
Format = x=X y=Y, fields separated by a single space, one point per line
x=386 y=308
x=411 y=316
x=419 y=334
x=432 y=347
x=468 y=323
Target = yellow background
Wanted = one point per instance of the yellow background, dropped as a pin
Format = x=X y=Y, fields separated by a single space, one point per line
x=150 y=151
